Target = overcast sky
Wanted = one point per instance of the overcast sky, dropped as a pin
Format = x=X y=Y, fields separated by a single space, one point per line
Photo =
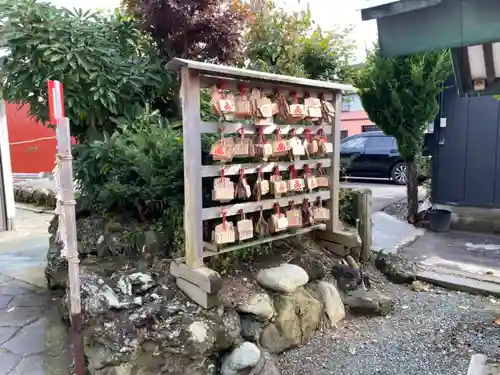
x=324 y=12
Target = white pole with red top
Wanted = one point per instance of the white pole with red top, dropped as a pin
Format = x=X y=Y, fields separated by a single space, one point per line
x=67 y=220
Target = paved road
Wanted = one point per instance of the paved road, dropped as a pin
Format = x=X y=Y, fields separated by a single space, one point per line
x=384 y=193
x=32 y=338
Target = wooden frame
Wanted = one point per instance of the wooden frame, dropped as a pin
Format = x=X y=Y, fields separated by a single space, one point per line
x=195 y=76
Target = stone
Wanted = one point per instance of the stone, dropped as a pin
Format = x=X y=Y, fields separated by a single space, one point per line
x=259 y=305
x=31 y=300
x=8 y=362
x=285 y=278
x=297 y=317
x=5 y=300
x=29 y=339
x=333 y=305
x=250 y=328
x=20 y=317
x=395 y=268
x=168 y=334
x=347 y=277
x=268 y=368
x=100 y=297
x=135 y=283
x=32 y=365
x=313 y=266
x=418 y=286
x=243 y=357
x=6 y=333
x=369 y=302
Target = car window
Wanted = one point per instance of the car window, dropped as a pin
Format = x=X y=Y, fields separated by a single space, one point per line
x=354 y=143
x=380 y=142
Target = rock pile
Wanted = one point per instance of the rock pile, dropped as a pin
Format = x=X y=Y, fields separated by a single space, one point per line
x=140 y=322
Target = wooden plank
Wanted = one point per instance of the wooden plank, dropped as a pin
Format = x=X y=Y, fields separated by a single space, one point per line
x=269 y=89
x=251 y=168
x=234 y=127
x=253 y=75
x=193 y=229
x=333 y=224
x=205 y=278
x=364 y=208
x=234 y=209
x=261 y=241
x=343 y=237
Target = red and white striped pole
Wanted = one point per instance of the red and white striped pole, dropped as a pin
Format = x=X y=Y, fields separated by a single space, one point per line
x=67 y=220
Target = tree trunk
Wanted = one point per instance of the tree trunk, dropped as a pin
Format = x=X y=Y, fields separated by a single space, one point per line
x=412 y=190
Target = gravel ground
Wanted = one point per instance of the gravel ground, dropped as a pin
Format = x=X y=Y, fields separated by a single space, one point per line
x=432 y=333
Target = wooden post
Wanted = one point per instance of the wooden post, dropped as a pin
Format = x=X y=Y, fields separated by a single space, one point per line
x=67 y=202
x=364 y=208
x=333 y=224
x=193 y=225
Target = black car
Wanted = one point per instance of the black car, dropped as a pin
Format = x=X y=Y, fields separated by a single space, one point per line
x=372 y=154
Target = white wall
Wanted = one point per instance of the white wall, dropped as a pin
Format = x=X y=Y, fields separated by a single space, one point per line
x=8 y=187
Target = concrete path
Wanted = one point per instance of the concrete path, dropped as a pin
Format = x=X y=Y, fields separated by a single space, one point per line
x=32 y=339
x=390 y=234
x=458 y=260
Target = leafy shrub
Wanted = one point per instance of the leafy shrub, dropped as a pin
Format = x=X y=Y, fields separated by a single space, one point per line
x=138 y=169
x=347 y=206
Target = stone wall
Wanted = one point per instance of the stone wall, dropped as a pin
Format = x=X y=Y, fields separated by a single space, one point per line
x=140 y=323
x=39 y=192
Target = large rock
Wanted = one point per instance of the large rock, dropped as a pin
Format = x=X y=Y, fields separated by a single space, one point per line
x=157 y=331
x=265 y=366
x=395 y=268
x=250 y=329
x=285 y=278
x=333 y=305
x=347 y=277
x=369 y=302
x=298 y=316
x=243 y=357
x=313 y=266
x=259 y=305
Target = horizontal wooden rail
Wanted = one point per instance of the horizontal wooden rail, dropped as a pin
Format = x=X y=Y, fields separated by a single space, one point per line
x=212 y=250
x=222 y=71
x=235 y=209
x=234 y=127
x=268 y=89
x=251 y=168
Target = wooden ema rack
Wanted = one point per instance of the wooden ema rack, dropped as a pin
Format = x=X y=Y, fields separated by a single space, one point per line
x=199 y=282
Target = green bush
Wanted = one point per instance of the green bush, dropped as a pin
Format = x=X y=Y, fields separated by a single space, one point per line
x=136 y=171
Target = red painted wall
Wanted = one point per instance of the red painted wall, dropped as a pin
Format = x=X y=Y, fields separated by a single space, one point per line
x=353 y=121
x=38 y=154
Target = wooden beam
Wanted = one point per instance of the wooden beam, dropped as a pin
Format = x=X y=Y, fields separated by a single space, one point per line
x=251 y=168
x=234 y=209
x=333 y=224
x=193 y=229
x=259 y=241
x=364 y=208
x=489 y=62
x=223 y=71
x=234 y=127
x=347 y=238
x=267 y=88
